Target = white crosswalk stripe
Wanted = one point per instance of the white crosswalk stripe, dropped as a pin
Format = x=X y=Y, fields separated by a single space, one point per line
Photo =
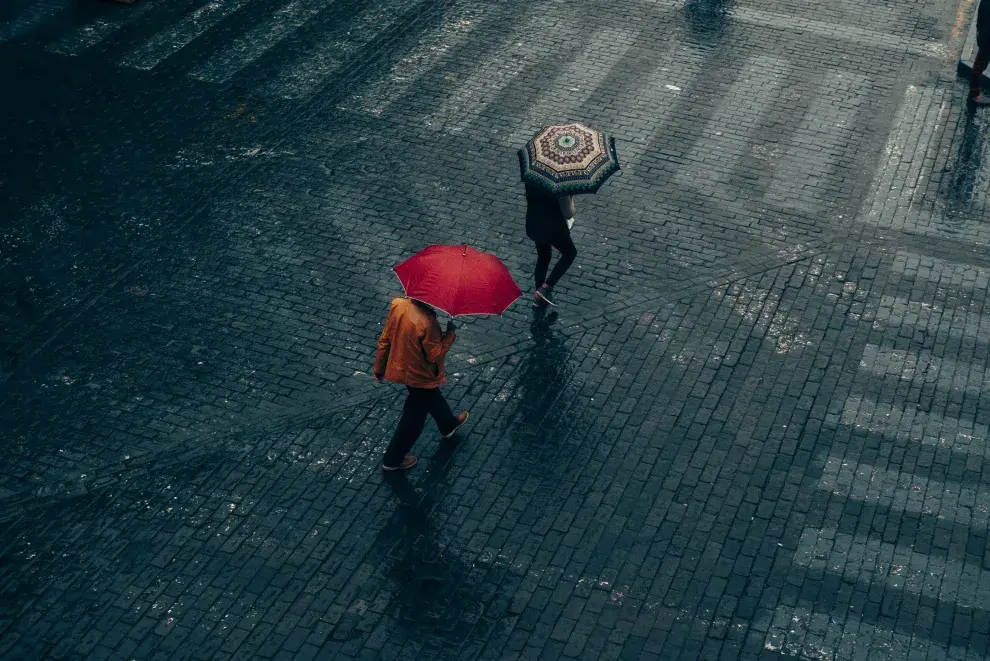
x=469 y=99
x=897 y=425
x=170 y=41
x=901 y=195
x=31 y=17
x=91 y=34
x=940 y=271
x=657 y=98
x=911 y=123
x=903 y=567
x=802 y=175
x=904 y=492
x=728 y=136
x=862 y=556
x=310 y=71
x=564 y=98
x=378 y=96
x=256 y=42
x=921 y=367
x=934 y=320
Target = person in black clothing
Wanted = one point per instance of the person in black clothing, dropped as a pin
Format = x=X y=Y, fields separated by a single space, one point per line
x=548 y=223
x=982 y=53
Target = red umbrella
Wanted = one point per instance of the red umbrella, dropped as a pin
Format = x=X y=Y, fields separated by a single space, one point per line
x=458 y=280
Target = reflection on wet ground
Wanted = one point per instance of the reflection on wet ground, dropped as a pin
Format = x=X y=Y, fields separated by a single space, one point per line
x=707 y=20
x=426 y=573
x=967 y=194
x=710 y=468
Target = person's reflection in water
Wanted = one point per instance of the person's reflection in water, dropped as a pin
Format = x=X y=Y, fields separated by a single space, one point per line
x=424 y=570
x=708 y=19
x=544 y=373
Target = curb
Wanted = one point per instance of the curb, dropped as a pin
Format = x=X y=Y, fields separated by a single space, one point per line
x=964 y=67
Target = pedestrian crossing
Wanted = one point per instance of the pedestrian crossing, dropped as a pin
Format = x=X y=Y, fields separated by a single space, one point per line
x=904 y=487
x=257 y=41
x=918 y=368
x=474 y=93
x=515 y=88
x=934 y=270
x=426 y=56
x=33 y=15
x=97 y=31
x=923 y=120
x=305 y=75
x=173 y=39
x=817 y=146
x=572 y=89
x=964 y=440
x=735 y=122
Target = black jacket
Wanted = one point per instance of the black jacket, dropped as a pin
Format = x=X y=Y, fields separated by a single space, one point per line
x=544 y=221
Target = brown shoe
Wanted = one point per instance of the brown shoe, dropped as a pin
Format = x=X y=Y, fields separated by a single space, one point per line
x=407 y=462
x=462 y=417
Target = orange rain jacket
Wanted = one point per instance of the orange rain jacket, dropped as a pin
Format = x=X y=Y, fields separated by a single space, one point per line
x=411 y=348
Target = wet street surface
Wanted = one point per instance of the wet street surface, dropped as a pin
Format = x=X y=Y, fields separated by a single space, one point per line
x=755 y=426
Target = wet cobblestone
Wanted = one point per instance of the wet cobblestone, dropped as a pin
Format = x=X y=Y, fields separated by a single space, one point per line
x=755 y=428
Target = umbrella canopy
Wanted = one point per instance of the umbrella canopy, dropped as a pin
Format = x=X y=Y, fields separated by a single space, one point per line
x=458 y=280
x=569 y=159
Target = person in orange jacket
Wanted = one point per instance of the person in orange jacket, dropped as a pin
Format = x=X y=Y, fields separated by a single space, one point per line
x=411 y=352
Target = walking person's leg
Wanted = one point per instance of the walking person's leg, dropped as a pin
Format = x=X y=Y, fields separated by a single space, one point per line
x=544 y=253
x=979 y=66
x=567 y=255
x=439 y=409
x=414 y=413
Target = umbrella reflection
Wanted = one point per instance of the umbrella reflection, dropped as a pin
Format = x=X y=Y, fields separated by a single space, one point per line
x=708 y=19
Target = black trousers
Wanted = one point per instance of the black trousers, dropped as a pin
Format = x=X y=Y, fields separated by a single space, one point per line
x=543 y=254
x=979 y=66
x=420 y=402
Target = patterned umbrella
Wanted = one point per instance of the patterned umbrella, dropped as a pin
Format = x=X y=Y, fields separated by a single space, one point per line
x=458 y=280
x=569 y=159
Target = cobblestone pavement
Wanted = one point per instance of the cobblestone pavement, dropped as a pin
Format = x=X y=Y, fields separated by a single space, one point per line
x=756 y=427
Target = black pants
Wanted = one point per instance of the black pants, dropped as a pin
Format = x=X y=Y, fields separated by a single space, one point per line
x=419 y=403
x=543 y=254
x=979 y=66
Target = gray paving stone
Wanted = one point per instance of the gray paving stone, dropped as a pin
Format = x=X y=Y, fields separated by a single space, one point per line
x=757 y=429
